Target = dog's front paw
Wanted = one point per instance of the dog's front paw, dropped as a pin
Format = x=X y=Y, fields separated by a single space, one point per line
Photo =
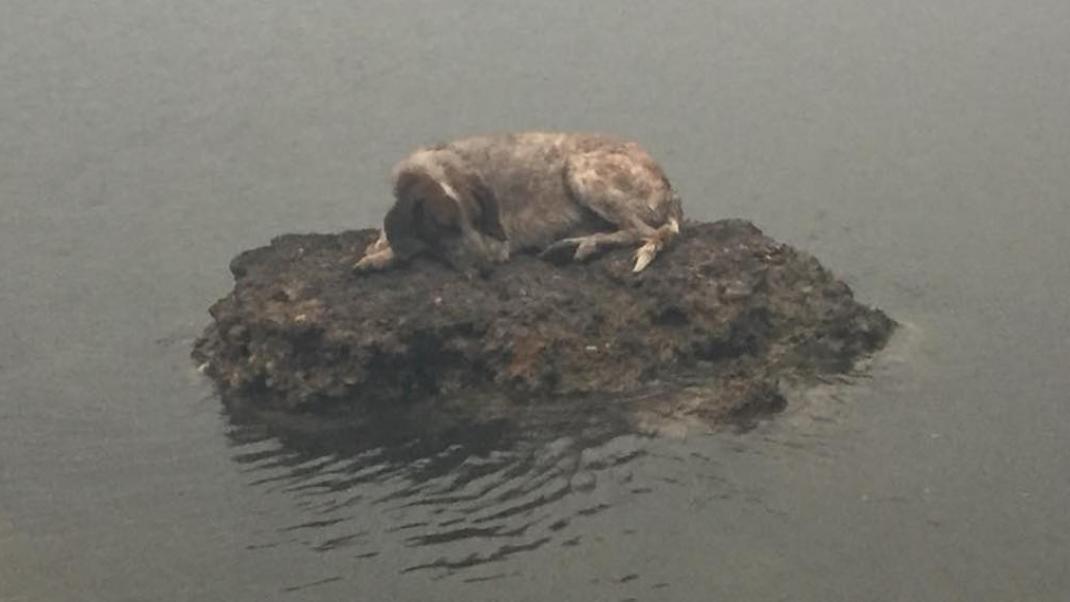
x=370 y=263
x=361 y=267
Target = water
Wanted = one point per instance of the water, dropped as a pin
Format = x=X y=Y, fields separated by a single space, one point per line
x=921 y=149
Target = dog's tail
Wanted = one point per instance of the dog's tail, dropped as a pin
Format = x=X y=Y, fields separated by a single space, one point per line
x=662 y=236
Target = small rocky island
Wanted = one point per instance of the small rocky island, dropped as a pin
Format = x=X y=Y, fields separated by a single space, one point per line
x=726 y=311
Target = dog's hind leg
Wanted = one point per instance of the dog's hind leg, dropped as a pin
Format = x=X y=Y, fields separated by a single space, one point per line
x=588 y=246
x=652 y=244
x=625 y=187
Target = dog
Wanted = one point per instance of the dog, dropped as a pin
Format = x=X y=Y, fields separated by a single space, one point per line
x=476 y=201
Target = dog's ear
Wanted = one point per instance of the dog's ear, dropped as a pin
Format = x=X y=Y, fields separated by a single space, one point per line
x=490 y=221
x=411 y=224
x=402 y=228
x=480 y=202
x=426 y=197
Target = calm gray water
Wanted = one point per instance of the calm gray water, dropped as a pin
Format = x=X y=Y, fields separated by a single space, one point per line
x=920 y=148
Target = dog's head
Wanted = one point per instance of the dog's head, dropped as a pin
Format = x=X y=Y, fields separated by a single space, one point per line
x=443 y=209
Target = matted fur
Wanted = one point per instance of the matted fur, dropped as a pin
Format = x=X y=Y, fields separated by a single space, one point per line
x=476 y=201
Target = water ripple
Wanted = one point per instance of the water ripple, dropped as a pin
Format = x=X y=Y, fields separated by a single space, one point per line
x=440 y=500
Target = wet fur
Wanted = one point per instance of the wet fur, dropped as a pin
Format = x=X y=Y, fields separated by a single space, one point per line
x=476 y=201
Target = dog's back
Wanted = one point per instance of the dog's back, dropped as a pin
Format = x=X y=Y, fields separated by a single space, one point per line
x=534 y=176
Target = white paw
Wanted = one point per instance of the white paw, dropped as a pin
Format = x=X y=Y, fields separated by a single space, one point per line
x=644 y=256
x=367 y=264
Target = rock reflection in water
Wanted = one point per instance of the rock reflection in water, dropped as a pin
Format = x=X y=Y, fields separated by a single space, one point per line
x=440 y=495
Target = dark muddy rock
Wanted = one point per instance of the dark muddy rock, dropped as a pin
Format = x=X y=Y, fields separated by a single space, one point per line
x=709 y=330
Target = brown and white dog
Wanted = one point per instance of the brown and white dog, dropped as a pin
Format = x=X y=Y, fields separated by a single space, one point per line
x=475 y=201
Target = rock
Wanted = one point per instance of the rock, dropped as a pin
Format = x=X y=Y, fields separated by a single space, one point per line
x=708 y=330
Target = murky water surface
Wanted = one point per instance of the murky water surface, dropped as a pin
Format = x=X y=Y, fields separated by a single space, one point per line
x=920 y=148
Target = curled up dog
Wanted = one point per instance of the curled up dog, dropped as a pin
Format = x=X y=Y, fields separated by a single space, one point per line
x=474 y=202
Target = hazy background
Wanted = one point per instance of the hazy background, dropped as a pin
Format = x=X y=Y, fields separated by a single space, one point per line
x=919 y=148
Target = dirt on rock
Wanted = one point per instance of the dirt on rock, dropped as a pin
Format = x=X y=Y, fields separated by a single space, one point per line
x=709 y=330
